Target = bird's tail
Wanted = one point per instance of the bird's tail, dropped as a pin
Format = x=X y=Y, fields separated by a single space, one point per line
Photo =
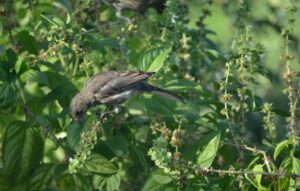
x=161 y=92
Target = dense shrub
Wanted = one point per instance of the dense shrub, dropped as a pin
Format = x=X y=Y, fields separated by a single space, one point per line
x=236 y=64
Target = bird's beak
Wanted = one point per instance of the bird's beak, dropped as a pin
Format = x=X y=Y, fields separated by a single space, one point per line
x=79 y=120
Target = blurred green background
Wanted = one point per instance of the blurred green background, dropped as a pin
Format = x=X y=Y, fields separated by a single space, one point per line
x=48 y=49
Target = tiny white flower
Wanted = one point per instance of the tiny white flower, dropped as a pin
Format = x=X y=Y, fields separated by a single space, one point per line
x=173 y=19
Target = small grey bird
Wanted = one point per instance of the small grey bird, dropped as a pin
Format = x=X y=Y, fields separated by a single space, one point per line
x=111 y=88
x=136 y=5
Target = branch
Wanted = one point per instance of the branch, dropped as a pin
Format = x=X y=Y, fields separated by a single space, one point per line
x=254 y=151
x=197 y=170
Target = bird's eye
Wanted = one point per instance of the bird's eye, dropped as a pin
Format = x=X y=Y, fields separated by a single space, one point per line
x=77 y=113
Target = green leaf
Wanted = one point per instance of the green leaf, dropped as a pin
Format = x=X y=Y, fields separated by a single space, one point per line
x=1 y=30
x=67 y=182
x=67 y=5
x=296 y=166
x=82 y=182
x=20 y=66
x=141 y=157
x=22 y=149
x=208 y=150
x=181 y=85
x=160 y=177
x=287 y=165
x=57 y=80
x=113 y=182
x=9 y=95
x=254 y=161
x=100 y=44
x=154 y=59
x=73 y=135
x=160 y=105
x=53 y=20
x=55 y=94
x=27 y=42
x=47 y=173
x=159 y=60
x=108 y=183
x=212 y=53
x=291 y=165
x=62 y=89
x=41 y=177
x=118 y=145
x=99 y=182
x=4 y=183
x=258 y=168
x=2 y=49
x=258 y=178
x=152 y=184
x=8 y=60
x=99 y=164
x=294 y=182
x=280 y=146
x=34 y=76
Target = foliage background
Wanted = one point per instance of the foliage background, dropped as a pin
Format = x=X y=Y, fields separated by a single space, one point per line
x=235 y=62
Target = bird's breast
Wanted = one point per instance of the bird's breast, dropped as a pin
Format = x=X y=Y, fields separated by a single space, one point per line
x=119 y=98
x=126 y=94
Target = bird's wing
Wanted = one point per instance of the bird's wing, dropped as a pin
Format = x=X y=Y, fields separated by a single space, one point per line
x=124 y=81
x=129 y=79
x=99 y=80
x=110 y=83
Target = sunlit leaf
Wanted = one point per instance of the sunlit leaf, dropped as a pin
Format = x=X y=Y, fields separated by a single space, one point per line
x=67 y=5
x=257 y=180
x=154 y=59
x=22 y=149
x=208 y=150
x=82 y=182
x=280 y=146
x=152 y=185
x=213 y=53
x=109 y=183
x=294 y=182
x=34 y=76
x=99 y=164
x=160 y=177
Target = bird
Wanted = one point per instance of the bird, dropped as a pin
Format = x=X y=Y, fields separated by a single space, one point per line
x=135 y=5
x=114 y=88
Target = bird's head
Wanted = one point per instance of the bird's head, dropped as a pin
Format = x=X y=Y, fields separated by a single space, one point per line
x=78 y=108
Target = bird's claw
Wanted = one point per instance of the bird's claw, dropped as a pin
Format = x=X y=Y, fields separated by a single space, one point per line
x=117 y=110
x=102 y=116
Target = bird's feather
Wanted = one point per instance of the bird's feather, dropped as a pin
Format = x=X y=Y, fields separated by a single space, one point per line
x=110 y=83
x=160 y=92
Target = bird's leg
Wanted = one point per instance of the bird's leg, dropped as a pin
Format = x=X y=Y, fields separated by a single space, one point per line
x=102 y=116
x=109 y=110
